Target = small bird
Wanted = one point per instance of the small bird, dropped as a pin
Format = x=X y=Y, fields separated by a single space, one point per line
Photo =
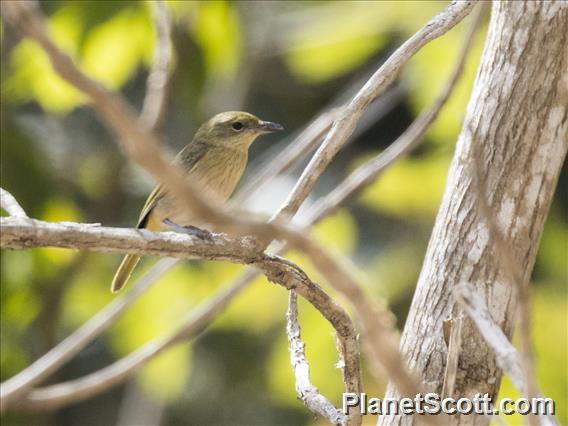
x=216 y=158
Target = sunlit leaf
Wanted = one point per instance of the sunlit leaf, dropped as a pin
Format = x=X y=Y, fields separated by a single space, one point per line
x=395 y=270
x=87 y=293
x=20 y=309
x=60 y=210
x=112 y=52
x=258 y=308
x=157 y=313
x=321 y=63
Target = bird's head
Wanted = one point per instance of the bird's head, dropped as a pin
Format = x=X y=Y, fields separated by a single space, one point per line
x=235 y=128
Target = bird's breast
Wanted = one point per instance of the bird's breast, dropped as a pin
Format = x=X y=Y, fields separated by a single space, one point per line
x=220 y=170
x=217 y=173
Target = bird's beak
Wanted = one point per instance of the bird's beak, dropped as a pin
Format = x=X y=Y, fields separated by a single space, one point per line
x=268 y=127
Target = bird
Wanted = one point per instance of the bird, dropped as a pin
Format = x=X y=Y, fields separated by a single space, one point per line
x=215 y=158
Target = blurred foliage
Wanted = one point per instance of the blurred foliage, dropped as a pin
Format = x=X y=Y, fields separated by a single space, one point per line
x=284 y=61
x=395 y=193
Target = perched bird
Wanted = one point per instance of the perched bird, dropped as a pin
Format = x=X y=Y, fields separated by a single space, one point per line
x=216 y=158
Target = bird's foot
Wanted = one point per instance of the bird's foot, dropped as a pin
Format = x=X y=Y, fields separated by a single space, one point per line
x=190 y=230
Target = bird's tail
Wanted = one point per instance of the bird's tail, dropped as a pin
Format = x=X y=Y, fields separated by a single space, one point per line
x=123 y=272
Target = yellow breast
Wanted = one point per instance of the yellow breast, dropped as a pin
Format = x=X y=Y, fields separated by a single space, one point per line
x=220 y=170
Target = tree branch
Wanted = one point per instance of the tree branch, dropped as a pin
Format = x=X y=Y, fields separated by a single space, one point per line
x=507 y=357
x=143 y=148
x=307 y=392
x=521 y=134
x=20 y=233
x=154 y=106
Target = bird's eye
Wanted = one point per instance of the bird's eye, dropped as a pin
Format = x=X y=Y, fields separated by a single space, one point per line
x=237 y=126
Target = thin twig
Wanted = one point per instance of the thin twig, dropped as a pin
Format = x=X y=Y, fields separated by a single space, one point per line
x=506 y=355
x=139 y=144
x=307 y=140
x=306 y=391
x=10 y=204
x=154 y=106
x=25 y=233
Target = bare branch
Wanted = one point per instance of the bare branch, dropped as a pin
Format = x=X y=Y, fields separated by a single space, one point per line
x=154 y=106
x=10 y=204
x=385 y=75
x=377 y=321
x=507 y=357
x=18 y=233
x=15 y=387
x=141 y=145
x=525 y=152
x=307 y=392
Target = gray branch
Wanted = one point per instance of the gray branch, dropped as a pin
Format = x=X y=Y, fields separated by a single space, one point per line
x=506 y=355
x=154 y=106
x=21 y=233
x=307 y=392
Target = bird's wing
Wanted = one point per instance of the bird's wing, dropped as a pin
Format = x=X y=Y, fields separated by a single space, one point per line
x=187 y=158
x=151 y=201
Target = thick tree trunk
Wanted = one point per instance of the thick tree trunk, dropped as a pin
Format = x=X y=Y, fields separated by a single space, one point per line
x=517 y=118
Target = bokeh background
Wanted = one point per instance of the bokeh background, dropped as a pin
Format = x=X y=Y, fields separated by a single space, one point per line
x=286 y=62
